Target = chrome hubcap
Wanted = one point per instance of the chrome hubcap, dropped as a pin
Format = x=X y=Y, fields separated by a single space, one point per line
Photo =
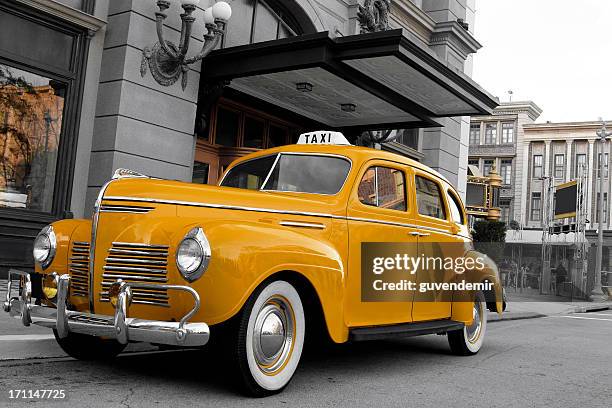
x=273 y=335
x=473 y=331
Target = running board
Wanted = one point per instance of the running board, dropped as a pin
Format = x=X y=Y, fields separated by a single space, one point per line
x=404 y=330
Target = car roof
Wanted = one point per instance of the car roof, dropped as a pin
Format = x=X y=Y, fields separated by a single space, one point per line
x=357 y=154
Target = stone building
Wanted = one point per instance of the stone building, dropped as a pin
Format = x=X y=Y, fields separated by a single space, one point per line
x=282 y=67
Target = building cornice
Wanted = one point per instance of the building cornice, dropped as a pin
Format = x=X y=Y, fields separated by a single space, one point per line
x=513 y=108
x=452 y=34
x=71 y=15
x=563 y=126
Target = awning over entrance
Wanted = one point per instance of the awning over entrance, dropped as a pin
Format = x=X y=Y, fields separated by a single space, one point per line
x=369 y=81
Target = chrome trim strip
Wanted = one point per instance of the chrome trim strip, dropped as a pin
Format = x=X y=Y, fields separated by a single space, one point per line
x=136 y=277
x=223 y=207
x=137 y=261
x=163 y=255
x=135 y=269
x=301 y=224
x=273 y=211
x=269 y=173
x=136 y=245
x=92 y=248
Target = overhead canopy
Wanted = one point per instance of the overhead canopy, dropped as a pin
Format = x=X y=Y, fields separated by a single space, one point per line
x=391 y=81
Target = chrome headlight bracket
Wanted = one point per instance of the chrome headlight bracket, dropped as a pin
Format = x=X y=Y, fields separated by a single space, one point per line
x=197 y=235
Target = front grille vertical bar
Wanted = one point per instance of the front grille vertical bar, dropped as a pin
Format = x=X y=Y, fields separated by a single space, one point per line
x=92 y=248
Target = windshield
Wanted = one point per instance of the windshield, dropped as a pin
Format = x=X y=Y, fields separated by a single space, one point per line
x=303 y=173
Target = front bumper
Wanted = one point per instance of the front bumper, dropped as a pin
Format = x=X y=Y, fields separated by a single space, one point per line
x=119 y=326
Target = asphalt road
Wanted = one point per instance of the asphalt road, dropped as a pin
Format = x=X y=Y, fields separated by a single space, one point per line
x=561 y=361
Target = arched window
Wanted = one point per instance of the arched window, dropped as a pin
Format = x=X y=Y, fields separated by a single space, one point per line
x=264 y=20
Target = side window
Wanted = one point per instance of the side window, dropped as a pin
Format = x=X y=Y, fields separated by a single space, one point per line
x=455 y=209
x=429 y=198
x=383 y=187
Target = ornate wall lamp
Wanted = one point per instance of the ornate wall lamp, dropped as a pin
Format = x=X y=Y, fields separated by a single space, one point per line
x=168 y=61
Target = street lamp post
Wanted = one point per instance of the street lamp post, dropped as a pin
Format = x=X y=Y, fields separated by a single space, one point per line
x=597 y=293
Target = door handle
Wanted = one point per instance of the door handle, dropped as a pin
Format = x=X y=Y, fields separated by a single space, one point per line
x=418 y=234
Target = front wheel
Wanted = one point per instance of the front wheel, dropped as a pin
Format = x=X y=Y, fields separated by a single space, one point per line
x=269 y=338
x=85 y=347
x=468 y=341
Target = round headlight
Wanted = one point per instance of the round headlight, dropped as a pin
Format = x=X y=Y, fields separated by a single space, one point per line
x=193 y=255
x=45 y=245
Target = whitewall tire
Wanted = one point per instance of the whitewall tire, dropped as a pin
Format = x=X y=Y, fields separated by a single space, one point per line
x=468 y=341
x=270 y=338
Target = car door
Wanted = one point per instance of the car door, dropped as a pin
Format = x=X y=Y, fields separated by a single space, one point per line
x=435 y=234
x=377 y=213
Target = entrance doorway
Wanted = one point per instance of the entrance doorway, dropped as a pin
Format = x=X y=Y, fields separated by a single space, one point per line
x=237 y=129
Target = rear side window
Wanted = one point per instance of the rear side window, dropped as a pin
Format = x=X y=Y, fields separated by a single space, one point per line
x=429 y=198
x=455 y=209
x=383 y=187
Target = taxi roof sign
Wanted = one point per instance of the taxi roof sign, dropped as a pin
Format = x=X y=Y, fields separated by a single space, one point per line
x=323 y=137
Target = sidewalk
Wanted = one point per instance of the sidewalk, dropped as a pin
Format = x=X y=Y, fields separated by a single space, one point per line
x=530 y=305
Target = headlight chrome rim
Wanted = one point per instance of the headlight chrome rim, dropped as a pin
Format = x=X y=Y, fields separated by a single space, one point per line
x=49 y=234
x=196 y=235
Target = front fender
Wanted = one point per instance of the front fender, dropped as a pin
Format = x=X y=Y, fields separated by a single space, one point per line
x=244 y=254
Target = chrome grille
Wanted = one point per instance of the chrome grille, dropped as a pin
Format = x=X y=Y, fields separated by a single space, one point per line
x=139 y=263
x=79 y=269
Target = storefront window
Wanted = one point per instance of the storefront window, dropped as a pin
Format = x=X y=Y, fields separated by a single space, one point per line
x=31 y=113
x=228 y=127
x=200 y=173
x=254 y=131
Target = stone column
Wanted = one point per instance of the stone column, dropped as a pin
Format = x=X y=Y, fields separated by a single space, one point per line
x=546 y=159
x=568 y=160
x=591 y=169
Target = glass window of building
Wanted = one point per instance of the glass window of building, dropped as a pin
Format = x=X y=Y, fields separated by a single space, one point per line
x=605 y=164
x=605 y=207
x=506 y=171
x=474 y=134
x=507 y=136
x=537 y=166
x=429 y=198
x=504 y=205
x=507 y=133
x=559 y=166
x=31 y=119
x=488 y=165
x=490 y=134
x=536 y=207
x=200 y=173
x=580 y=165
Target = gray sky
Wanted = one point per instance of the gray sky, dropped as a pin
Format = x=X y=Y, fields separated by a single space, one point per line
x=548 y=51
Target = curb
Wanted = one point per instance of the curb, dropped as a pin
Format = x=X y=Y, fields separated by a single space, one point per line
x=534 y=315
x=493 y=318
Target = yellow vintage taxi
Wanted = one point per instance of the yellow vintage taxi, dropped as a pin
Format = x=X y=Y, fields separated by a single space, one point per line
x=269 y=256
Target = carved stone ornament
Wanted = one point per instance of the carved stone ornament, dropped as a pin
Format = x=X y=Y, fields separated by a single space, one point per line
x=374 y=16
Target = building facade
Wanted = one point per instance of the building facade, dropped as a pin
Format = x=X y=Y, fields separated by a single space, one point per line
x=282 y=67
x=496 y=141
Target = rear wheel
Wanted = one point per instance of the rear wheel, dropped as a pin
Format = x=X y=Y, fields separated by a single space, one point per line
x=84 y=347
x=468 y=341
x=269 y=339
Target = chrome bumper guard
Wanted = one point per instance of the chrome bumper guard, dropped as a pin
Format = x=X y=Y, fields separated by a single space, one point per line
x=119 y=326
